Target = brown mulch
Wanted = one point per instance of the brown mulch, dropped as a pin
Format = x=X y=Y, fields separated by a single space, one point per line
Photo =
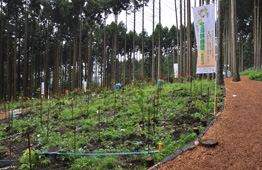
x=238 y=131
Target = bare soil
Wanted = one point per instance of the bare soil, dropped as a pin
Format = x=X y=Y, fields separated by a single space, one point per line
x=238 y=132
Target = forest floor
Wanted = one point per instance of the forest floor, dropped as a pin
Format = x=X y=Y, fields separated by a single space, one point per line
x=238 y=132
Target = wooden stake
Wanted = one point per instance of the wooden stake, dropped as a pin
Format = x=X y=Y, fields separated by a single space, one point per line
x=5 y=107
x=72 y=113
x=41 y=111
x=47 y=123
x=75 y=136
x=216 y=104
x=154 y=114
x=29 y=147
x=148 y=127
x=99 y=121
x=115 y=106
x=207 y=103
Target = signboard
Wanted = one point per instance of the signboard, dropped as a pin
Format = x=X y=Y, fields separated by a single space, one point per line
x=204 y=22
x=176 y=70
x=85 y=84
x=42 y=88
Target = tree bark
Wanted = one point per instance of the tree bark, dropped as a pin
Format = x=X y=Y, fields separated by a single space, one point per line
x=236 y=76
x=189 y=41
x=153 y=44
x=143 y=35
x=74 y=63
x=25 y=73
x=46 y=71
x=104 y=54
x=181 y=45
x=177 y=43
x=8 y=69
x=56 y=69
x=159 y=43
x=114 y=51
x=134 y=42
x=219 y=72
x=90 y=63
x=15 y=57
x=124 y=77
x=69 y=66
x=258 y=39
x=1 y=56
x=80 y=71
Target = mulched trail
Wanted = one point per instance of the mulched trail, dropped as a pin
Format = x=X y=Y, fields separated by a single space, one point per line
x=238 y=131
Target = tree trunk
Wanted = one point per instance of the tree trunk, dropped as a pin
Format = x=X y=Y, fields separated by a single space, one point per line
x=1 y=56
x=134 y=41
x=15 y=57
x=56 y=70
x=159 y=43
x=90 y=59
x=80 y=71
x=104 y=54
x=74 y=63
x=124 y=77
x=236 y=76
x=219 y=72
x=189 y=44
x=226 y=44
x=8 y=69
x=46 y=71
x=143 y=35
x=31 y=70
x=25 y=73
x=181 y=45
x=257 y=39
x=114 y=51
x=184 y=42
x=153 y=44
x=69 y=66
x=177 y=43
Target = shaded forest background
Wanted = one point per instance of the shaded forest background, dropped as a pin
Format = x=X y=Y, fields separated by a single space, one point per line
x=62 y=42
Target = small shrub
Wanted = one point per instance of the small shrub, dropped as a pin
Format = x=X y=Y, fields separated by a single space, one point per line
x=256 y=76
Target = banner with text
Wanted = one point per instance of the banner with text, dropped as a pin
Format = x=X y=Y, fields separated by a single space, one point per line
x=204 y=22
x=176 y=70
x=42 y=88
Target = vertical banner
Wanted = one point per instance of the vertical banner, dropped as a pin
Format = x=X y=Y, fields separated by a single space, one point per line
x=85 y=84
x=204 y=22
x=176 y=70
x=42 y=88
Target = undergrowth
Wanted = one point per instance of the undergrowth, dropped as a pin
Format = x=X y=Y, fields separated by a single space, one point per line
x=253 y=74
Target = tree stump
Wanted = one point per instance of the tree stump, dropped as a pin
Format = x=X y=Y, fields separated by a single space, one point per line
x=209 y=143
x=196 y=130
x=150 y=161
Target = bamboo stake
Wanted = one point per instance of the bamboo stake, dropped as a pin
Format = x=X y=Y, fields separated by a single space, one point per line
x=75 y=138
x=29 y=148
x=207 y=103
x=47 y=123
x=148 y=127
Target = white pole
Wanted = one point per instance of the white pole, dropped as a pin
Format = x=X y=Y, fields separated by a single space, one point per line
x=216 y=16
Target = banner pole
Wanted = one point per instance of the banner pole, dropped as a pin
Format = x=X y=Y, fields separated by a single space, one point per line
x=216 y=52
x=215 y=95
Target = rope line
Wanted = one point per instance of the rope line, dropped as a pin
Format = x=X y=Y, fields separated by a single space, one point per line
x=94 y=154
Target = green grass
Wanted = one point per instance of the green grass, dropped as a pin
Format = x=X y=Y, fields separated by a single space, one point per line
x=122 y=120
x=253 y=74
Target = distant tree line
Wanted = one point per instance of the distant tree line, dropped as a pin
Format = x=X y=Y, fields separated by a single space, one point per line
x=60 y=42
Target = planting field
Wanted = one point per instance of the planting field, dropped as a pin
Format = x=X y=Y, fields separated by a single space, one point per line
x=99 y=130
